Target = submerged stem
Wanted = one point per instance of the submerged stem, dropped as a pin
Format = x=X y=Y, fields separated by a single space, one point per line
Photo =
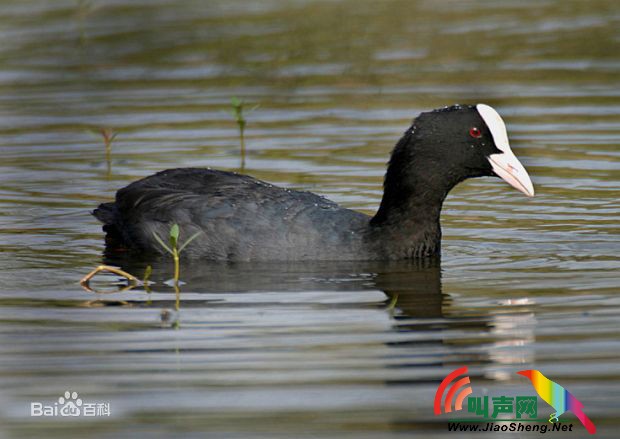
x=177 y=290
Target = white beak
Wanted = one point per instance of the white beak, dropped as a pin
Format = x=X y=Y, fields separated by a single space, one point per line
x=505 y=164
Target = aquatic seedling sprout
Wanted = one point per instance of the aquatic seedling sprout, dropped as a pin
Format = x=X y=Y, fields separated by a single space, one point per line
x=175 y=251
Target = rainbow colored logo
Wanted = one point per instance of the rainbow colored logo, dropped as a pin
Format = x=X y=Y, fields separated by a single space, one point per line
x=557 y=397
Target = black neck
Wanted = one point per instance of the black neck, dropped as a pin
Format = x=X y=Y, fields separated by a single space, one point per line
x=407 y=221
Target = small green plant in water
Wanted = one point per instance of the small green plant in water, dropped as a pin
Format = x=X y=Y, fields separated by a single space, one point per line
x=147 y=275
x=146 y=281
x=237 y=107
x=84 y=9
x=108 y=137
x=175 y=251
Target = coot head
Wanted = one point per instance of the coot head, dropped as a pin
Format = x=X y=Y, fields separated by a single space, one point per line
x=442 y=148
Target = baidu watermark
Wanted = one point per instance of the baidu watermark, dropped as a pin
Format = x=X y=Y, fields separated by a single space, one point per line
x=70 y=405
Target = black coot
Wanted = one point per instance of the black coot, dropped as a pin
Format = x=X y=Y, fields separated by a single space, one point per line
x=247 y=219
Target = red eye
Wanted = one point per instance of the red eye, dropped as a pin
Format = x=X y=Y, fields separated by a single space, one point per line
x=475 y=132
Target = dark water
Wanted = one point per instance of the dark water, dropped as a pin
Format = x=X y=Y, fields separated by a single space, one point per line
x=330 y=350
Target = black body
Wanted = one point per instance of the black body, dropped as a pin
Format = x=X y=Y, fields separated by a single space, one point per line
x=242 y=218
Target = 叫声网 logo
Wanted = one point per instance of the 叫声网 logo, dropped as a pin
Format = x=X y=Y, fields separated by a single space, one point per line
x=68 y=405
x=510 y=411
